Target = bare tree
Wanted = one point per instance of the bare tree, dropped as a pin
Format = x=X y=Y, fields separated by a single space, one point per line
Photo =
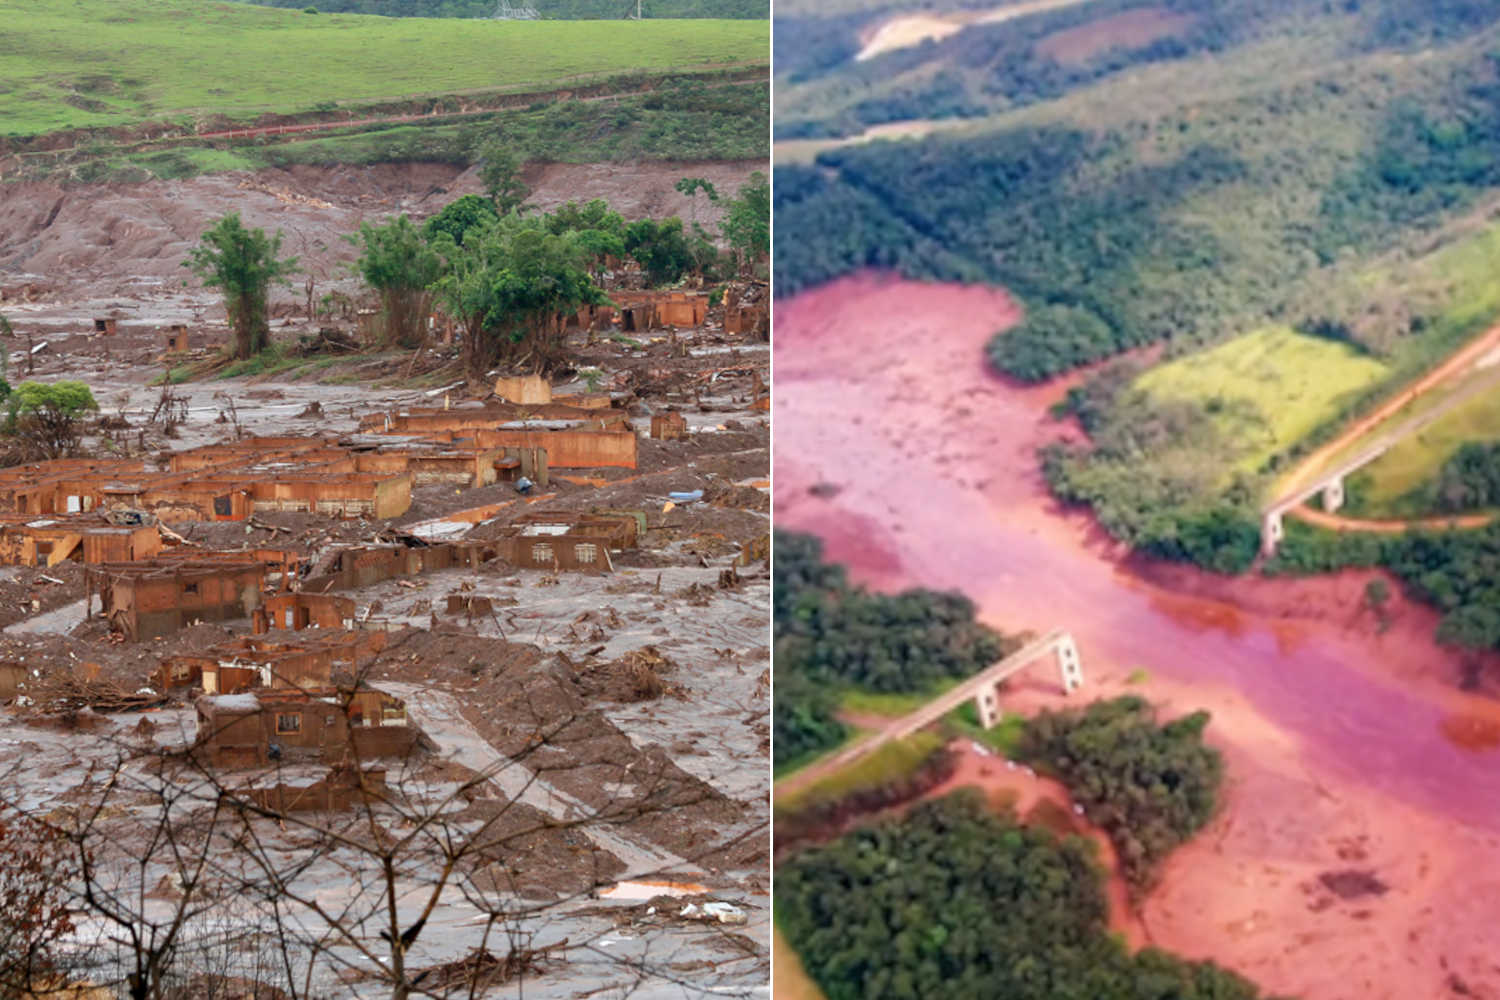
x=185 y=871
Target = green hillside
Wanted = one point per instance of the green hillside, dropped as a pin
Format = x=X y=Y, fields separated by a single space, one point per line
x=551 y=9
x=77 y=63
x=1311 y=185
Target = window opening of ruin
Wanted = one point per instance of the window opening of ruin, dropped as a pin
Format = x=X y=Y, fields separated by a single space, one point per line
x=190 y=588
x=289 y=722
x=541 y=553
x=586 y=552
x=222 y=506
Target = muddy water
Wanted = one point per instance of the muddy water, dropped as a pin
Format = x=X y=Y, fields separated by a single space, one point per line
x=881 y=392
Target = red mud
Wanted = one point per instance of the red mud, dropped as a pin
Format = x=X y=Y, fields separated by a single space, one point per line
x=1345 y=744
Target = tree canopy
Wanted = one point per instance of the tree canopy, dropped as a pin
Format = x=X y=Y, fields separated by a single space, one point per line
x=747 y=223
x=397 y=261
x=459 y=216
x=955 y=901
x=243 y=264
x=500 y=173
x=511 y=284
x=1149 y=787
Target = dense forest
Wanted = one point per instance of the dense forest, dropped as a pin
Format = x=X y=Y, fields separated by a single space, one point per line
x=830 y=636
x=955 y=901
x=1458 y=572
x=992 y=67
x=1154 y=474
x=1150 y=787
x=557 y=9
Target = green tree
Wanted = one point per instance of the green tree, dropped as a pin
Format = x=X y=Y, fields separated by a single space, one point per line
x=661 y=248
x=600 y=231
x=1149 y=787
x=512 y=285
x=747 y=224
x=401 y=266
x=242 y=263
x=500 y=173
x=690 y=186
x=459 y=216
x=47 y=416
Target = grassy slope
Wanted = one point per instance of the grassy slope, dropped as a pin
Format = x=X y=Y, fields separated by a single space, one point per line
x=1384 y=485
x=733 y=125
x=1271 y=386
x=895 y=761
x=73 y=63
x=1457 y=274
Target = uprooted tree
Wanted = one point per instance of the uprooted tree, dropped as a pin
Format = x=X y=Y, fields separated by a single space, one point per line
x=242 y=263
x=399 y=263
x=512 y=285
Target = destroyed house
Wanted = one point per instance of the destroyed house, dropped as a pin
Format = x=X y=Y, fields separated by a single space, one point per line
x=647 y=310
x=314 y=789
x=271 y=661
x=328 y=725
x=559 y=541
x=232 y=481
x=619 y=531
x=556 y=552
x=46 y=541
x=352 y=568
x=155 y=597
x=294 y=612
x=523 y=389
x=669 y=426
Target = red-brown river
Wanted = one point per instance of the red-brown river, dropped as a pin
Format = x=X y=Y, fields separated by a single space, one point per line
x=1348 y=746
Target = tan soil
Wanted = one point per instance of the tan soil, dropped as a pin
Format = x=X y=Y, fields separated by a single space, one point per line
x=129 y=240
x=1347 y=746
x=1126 y=30
x=914 y=29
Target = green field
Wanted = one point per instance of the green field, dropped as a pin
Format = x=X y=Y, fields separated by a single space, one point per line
x=697 y=122
x=76 y=63
x=1390 y=485
x=892 y=762
x=1268 y=388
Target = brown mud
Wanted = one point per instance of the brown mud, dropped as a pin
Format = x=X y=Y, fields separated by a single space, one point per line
x=127 y=242
x=1347 y=741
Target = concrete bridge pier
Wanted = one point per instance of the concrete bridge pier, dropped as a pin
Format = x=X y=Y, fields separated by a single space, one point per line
x=987 y=703
x=1271 y=532
x=1333 y=494
x=1069 y=668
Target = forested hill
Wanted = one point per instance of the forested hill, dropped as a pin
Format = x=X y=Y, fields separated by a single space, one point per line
x=1185 y=196
x=555 y=9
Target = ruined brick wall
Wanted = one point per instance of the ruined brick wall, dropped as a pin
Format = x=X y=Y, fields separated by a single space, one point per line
x=524 y=389
x=578 y=553
x=302 y=610
x=669 y=427
x=572 y=449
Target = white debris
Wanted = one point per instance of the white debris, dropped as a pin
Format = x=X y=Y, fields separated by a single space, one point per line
x=724 y=913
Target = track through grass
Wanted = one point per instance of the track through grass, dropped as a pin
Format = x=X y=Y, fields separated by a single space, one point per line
x=1268 y=388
